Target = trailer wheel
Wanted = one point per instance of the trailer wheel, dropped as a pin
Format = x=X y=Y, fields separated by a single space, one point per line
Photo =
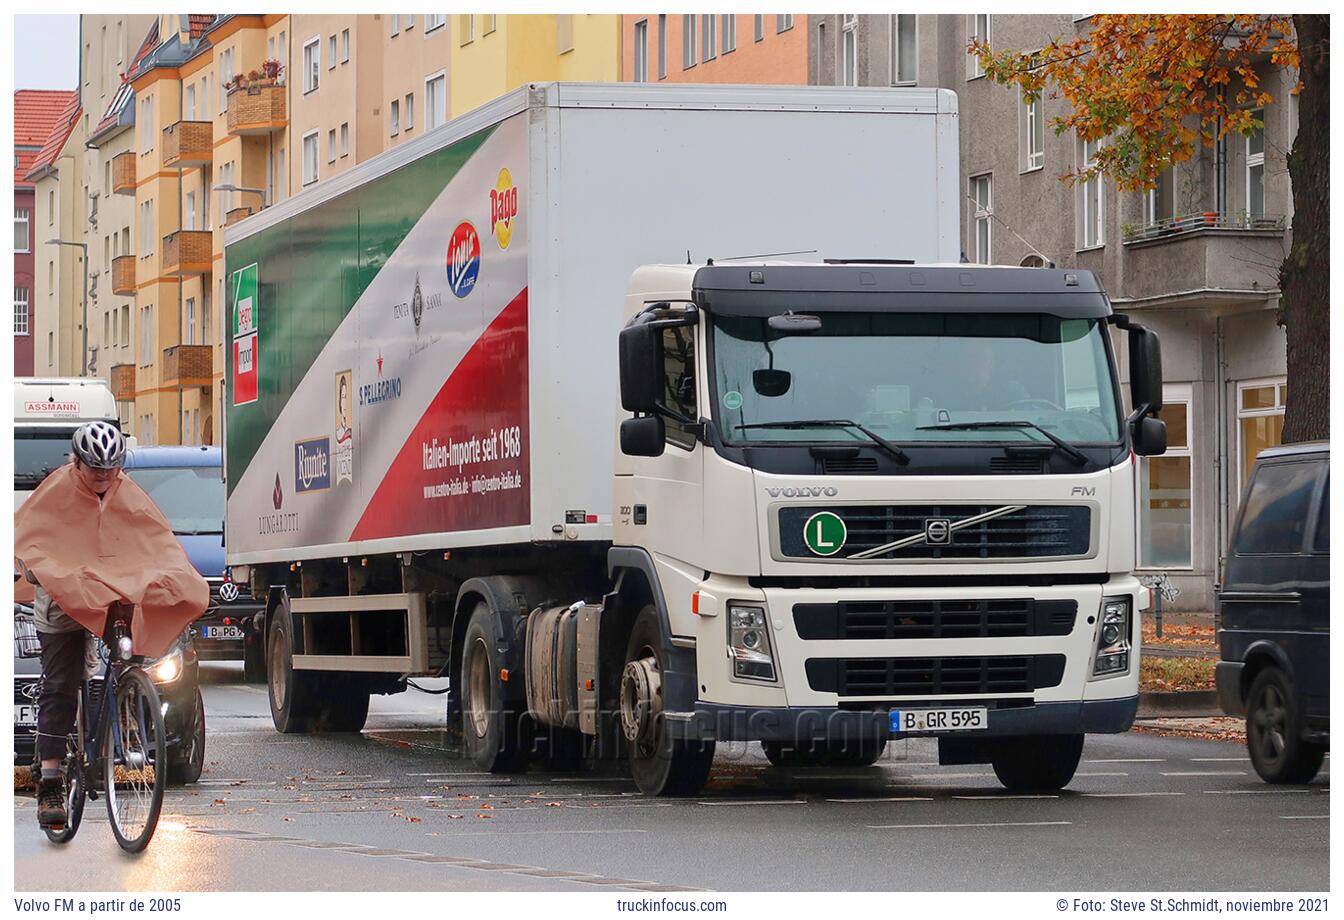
x=295 y=696
x=1037 y=764
x=662 y=765
x=491 y=723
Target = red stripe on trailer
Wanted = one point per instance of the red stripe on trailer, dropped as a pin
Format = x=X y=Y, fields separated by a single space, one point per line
x=465 y=465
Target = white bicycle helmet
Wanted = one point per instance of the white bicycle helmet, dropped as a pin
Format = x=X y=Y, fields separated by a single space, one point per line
x=100 y=445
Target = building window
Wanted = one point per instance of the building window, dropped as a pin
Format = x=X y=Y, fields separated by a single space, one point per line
x=146 y=228
x=466 y=29
x=407 y=22
x=688 y=42
x=125 y=325
x=281 y=177
x=1090 y=202
x=146 y=124
x=1166 y=513
x=641 y=51
x=226 y=76
x=728 y=34
x=331 y=52
x=1255 y=168
x=1159 y=202
x=1032 y=132
x=345 y=46
x=490 y=23
x=191 y=322
x=434 y=21
x=982 y=197
x=189 y=212
x=395 y=111
x=51 y=208
x=311 y=63
x=783 y=23
x=331 y=145
x=978 y=25
x=191 y=102
x=904 y=60
x=310 y=158
x=408 y=112
x=707 y=43
x=662 y=46
x=435 y=102
x=849 y=50
x=759 y=27
x=20 y=311
x=395 y=27
x=282 y=49
x=22 y=230
x=345 y=139
x=1260 y=405
x=146 y=336
x=564 y=33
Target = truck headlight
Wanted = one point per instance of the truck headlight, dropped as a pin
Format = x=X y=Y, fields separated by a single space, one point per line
x=1113 y=647
x=749 y=643
x=168 y=668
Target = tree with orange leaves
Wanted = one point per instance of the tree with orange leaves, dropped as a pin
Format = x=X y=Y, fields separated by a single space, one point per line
x=1155 y=86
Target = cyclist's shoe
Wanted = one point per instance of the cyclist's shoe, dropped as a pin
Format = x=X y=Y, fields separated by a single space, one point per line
x=51 y=804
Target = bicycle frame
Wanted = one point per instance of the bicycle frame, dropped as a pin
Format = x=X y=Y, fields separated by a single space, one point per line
x=88 y=744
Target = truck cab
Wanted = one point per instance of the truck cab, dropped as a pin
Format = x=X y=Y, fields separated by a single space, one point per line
x=47 y=410
x=875 y=500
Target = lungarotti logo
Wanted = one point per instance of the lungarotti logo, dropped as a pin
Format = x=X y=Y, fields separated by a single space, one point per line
x=503 y=208
x=464 y=259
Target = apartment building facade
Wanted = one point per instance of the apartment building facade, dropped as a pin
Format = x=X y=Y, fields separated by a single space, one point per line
x=59 y=271
x=705 y=48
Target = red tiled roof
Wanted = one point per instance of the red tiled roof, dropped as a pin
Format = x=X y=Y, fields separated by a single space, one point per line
x=199 y=23
x=36 y=114
x=56 y=139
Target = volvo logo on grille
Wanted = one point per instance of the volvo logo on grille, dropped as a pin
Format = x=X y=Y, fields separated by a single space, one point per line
x=30 y=690
x=228 y=592
x=937 y=531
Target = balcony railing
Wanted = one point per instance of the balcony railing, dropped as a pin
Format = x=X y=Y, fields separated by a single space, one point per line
x=123 y=173
x=257 y=110
x=188 y=365
x=188 y=252
x=188 y=143
x=123 y=275
x=123 y=382
x=234 y=215
x=1192 y=223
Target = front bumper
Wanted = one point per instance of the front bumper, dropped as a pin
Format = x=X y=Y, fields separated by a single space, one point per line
x=711 y=721
x=1227 y=678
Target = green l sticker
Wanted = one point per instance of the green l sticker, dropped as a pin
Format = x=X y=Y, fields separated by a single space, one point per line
x=824 y=533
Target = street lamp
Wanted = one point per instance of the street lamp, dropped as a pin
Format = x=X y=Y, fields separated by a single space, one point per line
x=84 y=324
x=230 y=187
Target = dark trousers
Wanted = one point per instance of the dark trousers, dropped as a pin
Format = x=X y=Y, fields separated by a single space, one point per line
x=58 y=700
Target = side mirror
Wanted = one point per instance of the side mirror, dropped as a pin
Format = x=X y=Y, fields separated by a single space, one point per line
x=641 y=363
x=1145 y=369
x=771 y=382
x=643 y=436
x=1149 y=436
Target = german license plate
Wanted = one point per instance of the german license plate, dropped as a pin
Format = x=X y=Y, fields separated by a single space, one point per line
x=910 y=721
x=25 y=716
x=221 y=632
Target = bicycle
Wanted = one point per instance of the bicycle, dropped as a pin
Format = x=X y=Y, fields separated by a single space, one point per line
x=118 y=732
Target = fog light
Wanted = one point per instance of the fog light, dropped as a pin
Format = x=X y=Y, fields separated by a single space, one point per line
x=749 y=644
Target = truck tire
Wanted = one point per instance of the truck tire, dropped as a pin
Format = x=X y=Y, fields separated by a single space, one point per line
x=254 y=661
x=295 y=696
x=863 y=752
x=1274 y=731
x=1044 y=763
x=345 y=704
x=662 y=765
x=492 y=724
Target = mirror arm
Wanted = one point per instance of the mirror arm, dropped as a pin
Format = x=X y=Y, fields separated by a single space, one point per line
x=1122 y=321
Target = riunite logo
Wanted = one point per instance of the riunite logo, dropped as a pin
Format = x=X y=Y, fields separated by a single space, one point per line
x=803 y=492
x=312 y=465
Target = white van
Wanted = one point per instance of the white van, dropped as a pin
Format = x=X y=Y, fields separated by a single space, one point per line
x=47 y=410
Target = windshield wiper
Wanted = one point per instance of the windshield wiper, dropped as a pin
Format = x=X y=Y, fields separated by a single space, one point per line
x=895 y=451
x=1074 y=453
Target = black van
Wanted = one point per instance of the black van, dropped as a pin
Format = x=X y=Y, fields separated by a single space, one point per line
x=1274 y=613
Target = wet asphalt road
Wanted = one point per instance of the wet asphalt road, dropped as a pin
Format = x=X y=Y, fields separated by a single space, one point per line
x=390 y=809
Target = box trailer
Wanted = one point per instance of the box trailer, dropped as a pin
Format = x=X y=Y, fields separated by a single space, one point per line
x=432 y=468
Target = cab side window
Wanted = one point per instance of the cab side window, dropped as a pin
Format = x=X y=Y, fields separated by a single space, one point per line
x=1274 y=520
x=1322 y=542
x=679 y=382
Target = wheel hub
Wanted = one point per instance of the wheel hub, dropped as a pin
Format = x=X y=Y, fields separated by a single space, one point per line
x=478 y=689
x=641 y=700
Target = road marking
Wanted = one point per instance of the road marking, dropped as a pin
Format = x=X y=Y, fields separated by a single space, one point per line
x=1253 y=791
x=1218 y=759
x=1101 y=774
x=1207 y=773
x=767 y=802
x=1001 y=798
x=545 y=833
x=593 y=779
x=235 y=782
x=1305 y=817
x=887 y=798
x=883 y=827
x=1126 y=795
x=1129 y=760
x=942 y=776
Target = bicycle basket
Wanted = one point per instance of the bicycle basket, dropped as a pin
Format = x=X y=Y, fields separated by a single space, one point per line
x=26 y=644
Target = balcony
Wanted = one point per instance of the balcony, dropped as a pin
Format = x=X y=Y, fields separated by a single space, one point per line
x=188 y=143
x=188 y=365
x=123 y=173
x=123 y=275
x=187 y=252
x=1214 y=260
x=236 y=214
x=257 y=110
x=123 y=382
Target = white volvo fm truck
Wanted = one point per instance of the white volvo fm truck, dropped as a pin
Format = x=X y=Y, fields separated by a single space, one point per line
x=655 y=417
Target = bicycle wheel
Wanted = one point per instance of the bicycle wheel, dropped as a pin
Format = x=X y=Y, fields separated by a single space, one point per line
x=135 y=762
x=74 y=800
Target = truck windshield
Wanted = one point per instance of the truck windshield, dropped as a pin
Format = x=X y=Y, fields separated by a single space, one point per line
x=190 y=497
x=898 y=373
x=37 y=452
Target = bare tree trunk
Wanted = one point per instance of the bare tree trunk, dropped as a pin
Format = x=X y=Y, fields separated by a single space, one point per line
x=1304 y=277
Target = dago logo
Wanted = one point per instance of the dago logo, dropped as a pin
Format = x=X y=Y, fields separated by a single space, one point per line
x=503 y=208
x=464 y=259
x=312 y=465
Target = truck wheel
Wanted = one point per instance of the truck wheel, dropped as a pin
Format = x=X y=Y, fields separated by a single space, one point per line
x=1274 y=732
x=345 y=705
x=661 y=764
x=491 y=724
x=189 y=761
x=254 y=662
x=296 y=696
x=1037 y=764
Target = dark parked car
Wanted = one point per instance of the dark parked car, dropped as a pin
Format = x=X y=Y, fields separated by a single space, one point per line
x=175 y=675
x=1274 y=614
x=188 y=486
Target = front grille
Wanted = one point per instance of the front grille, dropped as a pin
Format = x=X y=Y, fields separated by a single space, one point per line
x=982 y=675
x=1006 y=532
x=935 y=619
x=1023 y=464
x=849 y=466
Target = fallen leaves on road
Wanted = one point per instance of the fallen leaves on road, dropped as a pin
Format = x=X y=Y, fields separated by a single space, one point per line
x=217 y=802
x=485 y=816
x=554 y=805
x=486 y=805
